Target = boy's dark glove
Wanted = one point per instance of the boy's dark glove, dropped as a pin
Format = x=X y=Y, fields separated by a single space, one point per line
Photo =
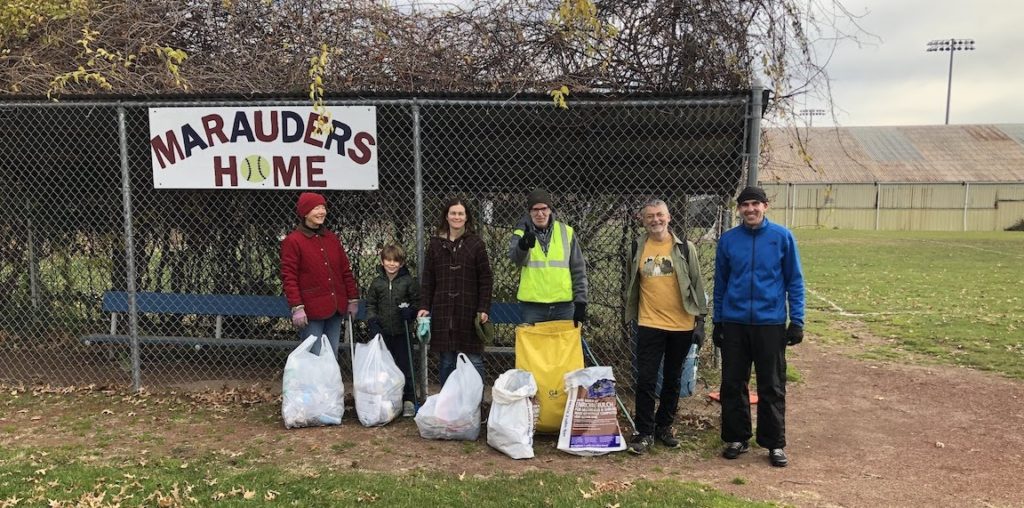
x=408 y=313
x=579 y=314
x=717 y=334
x=374 y=326
x=794 y=334
x=698 y=332
x=528 y=240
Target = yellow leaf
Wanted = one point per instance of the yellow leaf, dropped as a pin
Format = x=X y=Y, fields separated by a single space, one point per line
x=249 y=494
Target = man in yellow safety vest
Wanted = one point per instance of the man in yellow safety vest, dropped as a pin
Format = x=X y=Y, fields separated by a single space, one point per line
x=553 y=273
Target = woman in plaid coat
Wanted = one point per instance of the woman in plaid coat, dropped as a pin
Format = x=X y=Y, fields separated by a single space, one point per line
x=456 y=287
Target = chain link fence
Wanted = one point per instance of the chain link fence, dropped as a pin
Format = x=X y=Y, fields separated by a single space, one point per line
x=81 y=219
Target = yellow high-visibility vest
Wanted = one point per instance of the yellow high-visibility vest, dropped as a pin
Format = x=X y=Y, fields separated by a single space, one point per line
x=546 y=278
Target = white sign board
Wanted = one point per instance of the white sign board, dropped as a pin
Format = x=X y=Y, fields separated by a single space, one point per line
x=263 y=148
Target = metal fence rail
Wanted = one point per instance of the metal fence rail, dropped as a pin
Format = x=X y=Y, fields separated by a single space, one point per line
x=899 y=206
x=80 y=218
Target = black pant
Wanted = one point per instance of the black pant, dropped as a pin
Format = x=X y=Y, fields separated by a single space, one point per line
x=399 y=347
x=654 y=346
x=765 y=346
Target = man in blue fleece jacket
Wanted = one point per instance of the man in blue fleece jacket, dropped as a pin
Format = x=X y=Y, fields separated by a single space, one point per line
x=757 y=275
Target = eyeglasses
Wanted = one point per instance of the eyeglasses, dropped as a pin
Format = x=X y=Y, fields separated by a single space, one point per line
x=540 y=210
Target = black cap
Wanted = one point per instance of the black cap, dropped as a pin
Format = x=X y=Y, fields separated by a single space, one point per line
x=750 y=193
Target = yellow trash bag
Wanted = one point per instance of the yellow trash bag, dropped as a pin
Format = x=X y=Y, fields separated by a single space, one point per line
x=549 y=350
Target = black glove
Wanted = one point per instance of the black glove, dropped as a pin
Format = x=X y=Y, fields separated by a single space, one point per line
x=794 y=334
x=579 y=315
x=717 y=334
x=698 y=332
x=528 y=240
x=374 y=326
x=408 y=313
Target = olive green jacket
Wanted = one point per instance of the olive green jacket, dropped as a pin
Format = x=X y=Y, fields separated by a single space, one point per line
x=691 y=284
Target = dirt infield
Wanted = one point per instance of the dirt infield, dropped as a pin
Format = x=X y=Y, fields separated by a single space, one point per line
x=881 y=434
x=861 y=433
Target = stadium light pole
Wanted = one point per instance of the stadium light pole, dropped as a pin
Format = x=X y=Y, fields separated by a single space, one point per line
x=951 y=45
x=810 y=114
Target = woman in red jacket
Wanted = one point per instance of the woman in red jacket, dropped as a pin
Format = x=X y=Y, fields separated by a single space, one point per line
x=456 y=288
x=316 y=274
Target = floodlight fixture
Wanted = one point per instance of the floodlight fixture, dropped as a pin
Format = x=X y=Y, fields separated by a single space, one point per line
x=951 y=45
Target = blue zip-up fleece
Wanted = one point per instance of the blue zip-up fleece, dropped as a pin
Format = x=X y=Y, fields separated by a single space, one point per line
x=757 y=271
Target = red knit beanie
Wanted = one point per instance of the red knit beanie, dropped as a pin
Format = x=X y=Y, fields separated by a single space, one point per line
x=307 y=202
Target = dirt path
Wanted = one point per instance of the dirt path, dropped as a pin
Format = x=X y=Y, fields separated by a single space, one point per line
x=879 y=434
x=860 y=433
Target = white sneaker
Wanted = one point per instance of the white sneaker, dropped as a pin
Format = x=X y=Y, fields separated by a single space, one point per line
x=408 y=409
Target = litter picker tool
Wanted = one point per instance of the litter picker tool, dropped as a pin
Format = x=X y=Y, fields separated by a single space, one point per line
x=351 y=349
x=412 y=366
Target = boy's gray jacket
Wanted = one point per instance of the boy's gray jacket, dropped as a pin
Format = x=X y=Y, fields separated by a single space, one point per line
x=691 y=284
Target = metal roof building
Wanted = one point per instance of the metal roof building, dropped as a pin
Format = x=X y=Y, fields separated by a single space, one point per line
x=946 y=177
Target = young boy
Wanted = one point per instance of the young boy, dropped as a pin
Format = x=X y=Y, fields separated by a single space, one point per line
x=391 y=304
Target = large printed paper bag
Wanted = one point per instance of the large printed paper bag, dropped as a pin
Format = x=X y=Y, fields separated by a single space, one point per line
x=591 y=424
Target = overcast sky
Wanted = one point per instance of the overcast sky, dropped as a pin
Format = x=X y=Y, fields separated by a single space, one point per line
x=894 y=81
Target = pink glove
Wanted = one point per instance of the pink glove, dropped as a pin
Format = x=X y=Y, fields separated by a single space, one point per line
x=353 y=308
x=299 y=319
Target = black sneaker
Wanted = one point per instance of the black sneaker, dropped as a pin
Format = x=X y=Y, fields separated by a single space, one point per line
x=778 y=458
x=665 y=436
x=641 y=444
x=733 y=450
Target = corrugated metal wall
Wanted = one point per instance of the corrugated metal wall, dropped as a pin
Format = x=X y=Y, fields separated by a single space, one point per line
x=898 y=206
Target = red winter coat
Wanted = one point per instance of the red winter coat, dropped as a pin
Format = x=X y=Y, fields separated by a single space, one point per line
x=315 y=272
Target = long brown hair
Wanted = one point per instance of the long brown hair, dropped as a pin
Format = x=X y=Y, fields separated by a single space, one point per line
x=442 y=227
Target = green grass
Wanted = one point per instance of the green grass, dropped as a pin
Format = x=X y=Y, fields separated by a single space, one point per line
x=793 y=375
x=954 y=298
x=76 y=478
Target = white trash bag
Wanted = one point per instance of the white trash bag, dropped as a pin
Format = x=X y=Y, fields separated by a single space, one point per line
x=454 y=413
x=514 y=412
x=312 y=393
x=591 y=423
x=377 y=382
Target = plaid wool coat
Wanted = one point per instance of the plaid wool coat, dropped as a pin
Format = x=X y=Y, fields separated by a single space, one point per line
x=457 y=283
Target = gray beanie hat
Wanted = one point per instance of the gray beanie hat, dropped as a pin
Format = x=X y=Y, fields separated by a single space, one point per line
x=538 y=196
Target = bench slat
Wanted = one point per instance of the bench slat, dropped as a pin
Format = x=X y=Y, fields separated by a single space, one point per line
x=208 y=305
x=189 y=341
x=205 y=305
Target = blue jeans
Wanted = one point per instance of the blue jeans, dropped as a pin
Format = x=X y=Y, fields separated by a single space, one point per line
x=541 y=312
x=448 y=359
x=330 y=326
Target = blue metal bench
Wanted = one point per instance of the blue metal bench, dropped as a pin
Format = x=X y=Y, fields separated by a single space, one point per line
x=116 y=303
x=504 y=313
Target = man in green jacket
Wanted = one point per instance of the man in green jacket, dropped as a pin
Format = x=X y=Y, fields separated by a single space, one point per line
x=666 y=298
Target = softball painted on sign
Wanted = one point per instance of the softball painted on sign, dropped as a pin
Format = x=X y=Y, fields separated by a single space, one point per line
x=255 y=168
